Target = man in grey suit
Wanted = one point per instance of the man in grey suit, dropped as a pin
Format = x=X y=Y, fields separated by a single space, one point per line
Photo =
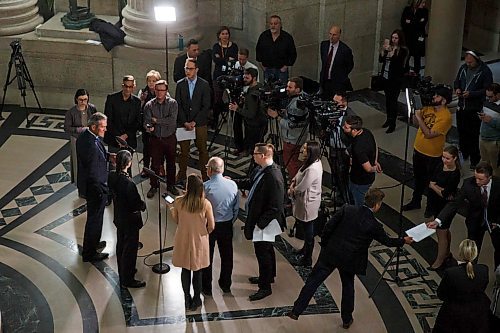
x=344 y=246
x=193 y=98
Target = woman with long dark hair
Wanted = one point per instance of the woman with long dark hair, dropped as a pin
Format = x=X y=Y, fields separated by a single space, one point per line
x=305 y=192
x=127 y=219
x=393 y=56
x=75 y=122
x=195 y=220
x=442 y=188
x=465 y=307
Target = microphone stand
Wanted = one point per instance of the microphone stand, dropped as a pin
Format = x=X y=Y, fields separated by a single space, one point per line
x=161 y=267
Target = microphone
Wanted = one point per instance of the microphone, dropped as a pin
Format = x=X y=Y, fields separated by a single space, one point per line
x=124 y=143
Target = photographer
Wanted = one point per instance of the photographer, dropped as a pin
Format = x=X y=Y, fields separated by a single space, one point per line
x=251 y=110
x=433 y=123
x=293 y=125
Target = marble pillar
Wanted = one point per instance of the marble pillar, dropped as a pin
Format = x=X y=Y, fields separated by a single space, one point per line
x=444 y=45
x=18 y=17
x=143 y=31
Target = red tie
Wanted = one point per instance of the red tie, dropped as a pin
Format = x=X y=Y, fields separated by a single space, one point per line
x=329 y=62
x=484 y=196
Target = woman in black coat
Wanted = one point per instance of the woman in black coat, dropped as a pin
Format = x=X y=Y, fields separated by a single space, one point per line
x=413 y=22
x=465 y=306
x=128 y=220
x=393 y=55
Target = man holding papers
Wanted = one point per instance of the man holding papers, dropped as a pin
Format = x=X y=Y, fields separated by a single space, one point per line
x=481 y=194
x=264 y=207
x=344 y=245
x=193 y=96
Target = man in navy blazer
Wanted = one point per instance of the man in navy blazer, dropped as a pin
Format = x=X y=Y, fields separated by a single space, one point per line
x=92 y=182
x=479 y=208
x=344 y=245
x=193 y=98
x=336 y=64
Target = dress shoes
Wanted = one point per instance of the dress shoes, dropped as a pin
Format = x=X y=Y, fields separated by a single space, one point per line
x=151 y=193
x=207 y=292
x=226 y=290
x=386 y=124
x=188 y=302
x=255 y=280
x=173 y=190
x=195 y=304
x=390 y=129
x=260 y=294
x=348 y=324
x=101 y=246
x=292 y=315
x=96 y=257
x=411 y=206
x=134 y=284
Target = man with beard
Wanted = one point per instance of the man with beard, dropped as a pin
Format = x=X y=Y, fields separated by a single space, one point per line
x=252 y=111
x=433 y=124
x=203 y=60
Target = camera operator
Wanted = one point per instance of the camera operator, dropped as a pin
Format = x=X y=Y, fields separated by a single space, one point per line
x=293 y=126
x=339 y=142
x=252 y=111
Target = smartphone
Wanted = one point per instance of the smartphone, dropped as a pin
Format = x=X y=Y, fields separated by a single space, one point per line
x=169 y=199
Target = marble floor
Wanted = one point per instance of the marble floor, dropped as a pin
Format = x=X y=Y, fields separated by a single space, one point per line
x=45 y=286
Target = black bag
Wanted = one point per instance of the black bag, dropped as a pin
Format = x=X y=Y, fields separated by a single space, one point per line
x=323 y=217
x=377 y=83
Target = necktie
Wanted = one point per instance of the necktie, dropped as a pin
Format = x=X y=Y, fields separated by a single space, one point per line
x=329 y=62
x=484 y=196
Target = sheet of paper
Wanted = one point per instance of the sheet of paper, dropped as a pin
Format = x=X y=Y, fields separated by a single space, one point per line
x=91 y=41
x=491 y=113
x=420 y=232
x=268 y=234
x=183 y=134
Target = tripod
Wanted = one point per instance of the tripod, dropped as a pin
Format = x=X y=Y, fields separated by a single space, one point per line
x=399 y=250
x=229 y=117
x=161 y=267
x=22 y=75
x=339 y=163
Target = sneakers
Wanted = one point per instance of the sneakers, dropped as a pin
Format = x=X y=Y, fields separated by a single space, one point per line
x=151 y=193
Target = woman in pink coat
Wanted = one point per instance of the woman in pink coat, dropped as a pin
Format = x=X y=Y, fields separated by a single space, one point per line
x=195 y=220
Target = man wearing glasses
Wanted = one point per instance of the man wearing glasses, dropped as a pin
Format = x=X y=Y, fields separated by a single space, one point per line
x=193 y=97
x=123 y=110
x=160 y=119
x=489 y=142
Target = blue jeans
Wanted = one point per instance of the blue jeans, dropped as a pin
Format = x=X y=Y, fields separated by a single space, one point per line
x=276 y=73
x=358 y=192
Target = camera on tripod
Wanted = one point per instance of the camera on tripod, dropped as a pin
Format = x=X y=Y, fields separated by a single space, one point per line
x=233 y=84
x=273 y=94
x=16 y=47
x=324 y=115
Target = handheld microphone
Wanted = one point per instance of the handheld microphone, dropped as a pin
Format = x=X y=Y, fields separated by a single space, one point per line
x=124 y=144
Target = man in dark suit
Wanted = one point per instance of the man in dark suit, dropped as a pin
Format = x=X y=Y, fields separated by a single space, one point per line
x=92 y=183
x=203 y=59
x=264 y=205
x=336 y=64
x=193 y=98
x=481 y=194
x=344 y=245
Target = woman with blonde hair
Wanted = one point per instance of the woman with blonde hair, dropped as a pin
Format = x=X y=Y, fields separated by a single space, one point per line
x=195 y=220
x=465 y=307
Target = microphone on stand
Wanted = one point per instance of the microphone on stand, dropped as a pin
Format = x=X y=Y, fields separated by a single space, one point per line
x=124 y=144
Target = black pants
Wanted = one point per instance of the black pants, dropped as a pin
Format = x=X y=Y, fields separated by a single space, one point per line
x=253 y=135
x=423 y=168
x=340 y=163
x=266 y=258
x=186 y=283
x=146 y=149
x=391 y=90
x=126 y=253
x=476 y=233
x=468 y=125
x=308 y=239
x=93 y=228
x=238 y=131
x=318 y=275
x=223 y=235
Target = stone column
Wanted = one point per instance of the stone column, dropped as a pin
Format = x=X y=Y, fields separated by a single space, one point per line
x=18 y=17
x=143 y=31
x=444 y=45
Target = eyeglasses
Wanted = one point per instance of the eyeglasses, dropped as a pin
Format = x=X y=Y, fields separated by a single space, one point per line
x=189 y=68
x=129 y=87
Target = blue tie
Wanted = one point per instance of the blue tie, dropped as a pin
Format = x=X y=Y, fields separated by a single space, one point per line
x=191 y=89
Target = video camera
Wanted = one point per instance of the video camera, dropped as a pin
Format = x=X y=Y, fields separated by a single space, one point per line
x=273 y=94
x=233 y=83
x=325 y=115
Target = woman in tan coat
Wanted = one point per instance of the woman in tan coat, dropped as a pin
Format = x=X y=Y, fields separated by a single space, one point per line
x=305 y=192
x=195 y=220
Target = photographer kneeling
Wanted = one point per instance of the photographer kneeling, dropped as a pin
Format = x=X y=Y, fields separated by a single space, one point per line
x=293 y=126
x=252 y=110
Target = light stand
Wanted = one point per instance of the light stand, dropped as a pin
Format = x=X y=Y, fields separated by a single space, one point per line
x=410 y=103
x=165 y=14
x=161 y=267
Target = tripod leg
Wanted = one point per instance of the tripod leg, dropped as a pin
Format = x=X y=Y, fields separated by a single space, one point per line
x=5 y=86
x=217 y=131
x=27 y=77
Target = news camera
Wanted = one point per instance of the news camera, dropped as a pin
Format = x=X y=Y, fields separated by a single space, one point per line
x=273 y=94
x=324 y=115
x=232 y=83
